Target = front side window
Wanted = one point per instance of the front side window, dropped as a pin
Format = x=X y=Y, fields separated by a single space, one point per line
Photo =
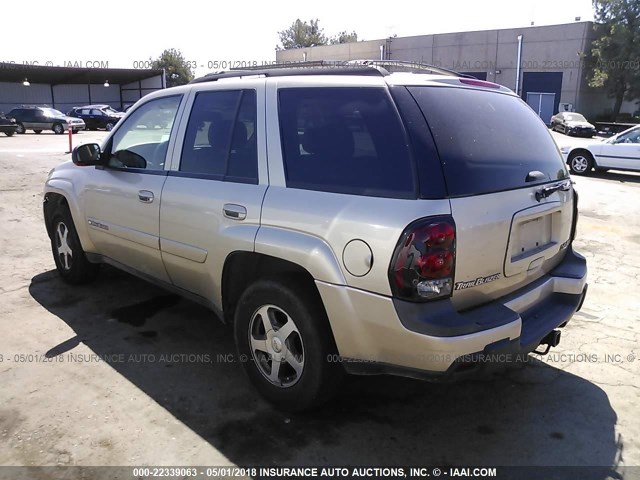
x=344 y=140
x=142 y=140
x=220 y=140
x=630 y=137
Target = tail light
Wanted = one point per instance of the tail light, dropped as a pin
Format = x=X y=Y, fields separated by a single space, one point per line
x=423 y=263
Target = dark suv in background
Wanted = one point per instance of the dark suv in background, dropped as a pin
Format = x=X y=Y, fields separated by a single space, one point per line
x=97 y=116
x=44 y=118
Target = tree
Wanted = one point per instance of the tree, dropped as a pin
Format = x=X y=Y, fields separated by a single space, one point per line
x=178 y=71
x=616 y=51
x=344 y=37
x=302 y=34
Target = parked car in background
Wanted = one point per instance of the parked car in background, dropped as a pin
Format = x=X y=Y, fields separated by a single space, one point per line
x=621 y=152
x=571 y=123
x=368 y=243
x=44 y=118
x=97 y=116
x=8 y=126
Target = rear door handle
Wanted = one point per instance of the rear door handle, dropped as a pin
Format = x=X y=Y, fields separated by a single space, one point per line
x=235 y=212
x=145 y=196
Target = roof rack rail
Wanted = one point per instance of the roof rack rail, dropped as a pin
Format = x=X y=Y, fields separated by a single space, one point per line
x=321 y=67
x=328 y=67
x=410 y=66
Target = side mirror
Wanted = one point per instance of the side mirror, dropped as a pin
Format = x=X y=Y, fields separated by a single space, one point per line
x=86 y=155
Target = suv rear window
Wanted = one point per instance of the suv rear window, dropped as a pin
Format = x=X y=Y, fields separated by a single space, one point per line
x=487 y=141
x=345 y=140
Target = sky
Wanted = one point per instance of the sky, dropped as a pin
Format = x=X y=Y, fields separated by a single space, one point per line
x=126 y=33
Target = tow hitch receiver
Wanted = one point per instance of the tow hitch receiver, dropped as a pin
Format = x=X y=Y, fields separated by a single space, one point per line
x=551 y=339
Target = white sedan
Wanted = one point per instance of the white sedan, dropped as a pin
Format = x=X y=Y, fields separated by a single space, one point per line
x=620 y=152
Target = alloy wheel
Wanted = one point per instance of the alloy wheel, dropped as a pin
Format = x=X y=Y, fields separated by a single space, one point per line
x=579 y=163
x=65 y=254
x=276 y=346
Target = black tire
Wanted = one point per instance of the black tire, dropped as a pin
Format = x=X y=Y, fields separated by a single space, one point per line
x=109 y=126
x=58 y=129
x=37 y=131
x=320 y=374
x=20 y=130
x=9 y=134
x=74 y=269
x=580 y=163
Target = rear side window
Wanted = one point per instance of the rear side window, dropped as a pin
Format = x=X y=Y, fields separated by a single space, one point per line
x=488 y=141
x=345 y=140
x=220 y=140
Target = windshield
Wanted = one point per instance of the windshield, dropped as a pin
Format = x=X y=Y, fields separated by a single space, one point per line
x=574 y=117
x=52 y=112
x=488 y=141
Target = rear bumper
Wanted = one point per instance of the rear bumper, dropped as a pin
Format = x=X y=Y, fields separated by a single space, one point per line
x=376 y=334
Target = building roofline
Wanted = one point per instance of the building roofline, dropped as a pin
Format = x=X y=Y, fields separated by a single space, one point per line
x=526 y=27
x=18 y=72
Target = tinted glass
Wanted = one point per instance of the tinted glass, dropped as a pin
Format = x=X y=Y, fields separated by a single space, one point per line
x=344 y=140
x=243 y=155
x=487 y=141
x=146 y=134
x=220 y=139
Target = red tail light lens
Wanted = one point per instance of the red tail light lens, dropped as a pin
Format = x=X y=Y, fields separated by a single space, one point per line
x=436 y=265
x=423 y=264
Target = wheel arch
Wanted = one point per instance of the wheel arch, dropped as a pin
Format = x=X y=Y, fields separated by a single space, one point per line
x=243 y=268
x=58 y=193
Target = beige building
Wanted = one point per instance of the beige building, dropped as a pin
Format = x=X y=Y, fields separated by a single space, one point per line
x=551 y=74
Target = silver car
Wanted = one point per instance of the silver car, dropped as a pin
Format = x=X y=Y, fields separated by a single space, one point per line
x=342 y=219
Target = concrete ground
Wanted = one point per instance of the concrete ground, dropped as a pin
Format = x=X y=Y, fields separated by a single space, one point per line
x=152 y=403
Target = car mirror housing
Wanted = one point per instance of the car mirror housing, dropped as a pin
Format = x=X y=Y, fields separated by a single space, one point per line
x=86 y=155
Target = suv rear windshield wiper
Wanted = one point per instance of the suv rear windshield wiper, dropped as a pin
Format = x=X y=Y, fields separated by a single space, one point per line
x=545 y=192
